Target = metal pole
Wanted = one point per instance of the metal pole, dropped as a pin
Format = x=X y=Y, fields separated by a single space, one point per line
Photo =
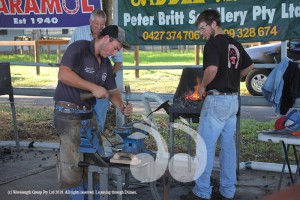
x=283 y=49
x=189 y=145
x=115 y=12
x=119 y=78
x=14 y=118
x=237 y=135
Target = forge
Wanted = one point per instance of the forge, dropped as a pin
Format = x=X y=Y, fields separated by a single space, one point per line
x=187 y=102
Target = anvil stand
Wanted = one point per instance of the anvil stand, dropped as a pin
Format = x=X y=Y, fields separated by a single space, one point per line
x=6 y=88
x=112 y=168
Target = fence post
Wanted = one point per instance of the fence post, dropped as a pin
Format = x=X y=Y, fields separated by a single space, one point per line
x=37 y=55
x=58 y=54
x=136 y=60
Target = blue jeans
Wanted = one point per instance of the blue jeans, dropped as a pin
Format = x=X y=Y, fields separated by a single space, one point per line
x=100 y=111
x=218 y=121
x=75 y=193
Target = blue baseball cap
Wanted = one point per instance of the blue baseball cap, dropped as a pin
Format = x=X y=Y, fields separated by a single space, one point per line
x=292 y=120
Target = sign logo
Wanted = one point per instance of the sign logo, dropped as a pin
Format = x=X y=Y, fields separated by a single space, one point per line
x=150 y=170
x=104 y=75
x=46 y=14
x=233 y=56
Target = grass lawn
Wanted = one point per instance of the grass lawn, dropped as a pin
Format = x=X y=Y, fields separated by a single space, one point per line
x=160 y=81
x=35 y=123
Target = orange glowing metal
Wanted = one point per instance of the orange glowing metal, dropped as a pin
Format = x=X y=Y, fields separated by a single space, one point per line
x=194 y=96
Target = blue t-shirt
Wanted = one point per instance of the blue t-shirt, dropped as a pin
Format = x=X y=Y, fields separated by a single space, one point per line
x=80 y=57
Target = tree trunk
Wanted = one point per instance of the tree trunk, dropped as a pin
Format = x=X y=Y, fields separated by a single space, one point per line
x=136 y=60
x=108 y=9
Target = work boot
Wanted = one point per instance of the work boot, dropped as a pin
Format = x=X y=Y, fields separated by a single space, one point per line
x=191 y=196
x=225 y=198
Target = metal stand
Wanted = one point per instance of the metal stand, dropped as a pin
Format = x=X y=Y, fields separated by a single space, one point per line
x=6 y=88
x=103 y=181
x=287 y=140
x=287 y=163
x=14 y=118
x=173 y=114
x=118 y=171
x=238 y=137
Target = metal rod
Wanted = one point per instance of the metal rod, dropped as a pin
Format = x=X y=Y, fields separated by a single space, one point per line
x=286 y=150
x=13 y=111
x=189 y=145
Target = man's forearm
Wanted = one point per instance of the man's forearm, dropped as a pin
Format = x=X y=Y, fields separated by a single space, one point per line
x=69 y=77
x=117 y=67
x=116 y=99
x=245 y=71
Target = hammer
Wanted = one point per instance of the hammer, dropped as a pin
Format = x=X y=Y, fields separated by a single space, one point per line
x=85 y=96
x=127 y=97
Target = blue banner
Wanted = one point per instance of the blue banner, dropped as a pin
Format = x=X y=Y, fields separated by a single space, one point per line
x=46 y=13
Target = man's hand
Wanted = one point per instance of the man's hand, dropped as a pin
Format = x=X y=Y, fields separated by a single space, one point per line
x=100 y=92
x=127 y=110
x=201 y=92
x=117 y=67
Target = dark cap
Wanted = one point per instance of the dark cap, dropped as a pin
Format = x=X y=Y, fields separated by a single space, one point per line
x=116 y=32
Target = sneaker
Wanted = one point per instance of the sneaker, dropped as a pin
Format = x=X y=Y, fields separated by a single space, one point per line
x=191 y=196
